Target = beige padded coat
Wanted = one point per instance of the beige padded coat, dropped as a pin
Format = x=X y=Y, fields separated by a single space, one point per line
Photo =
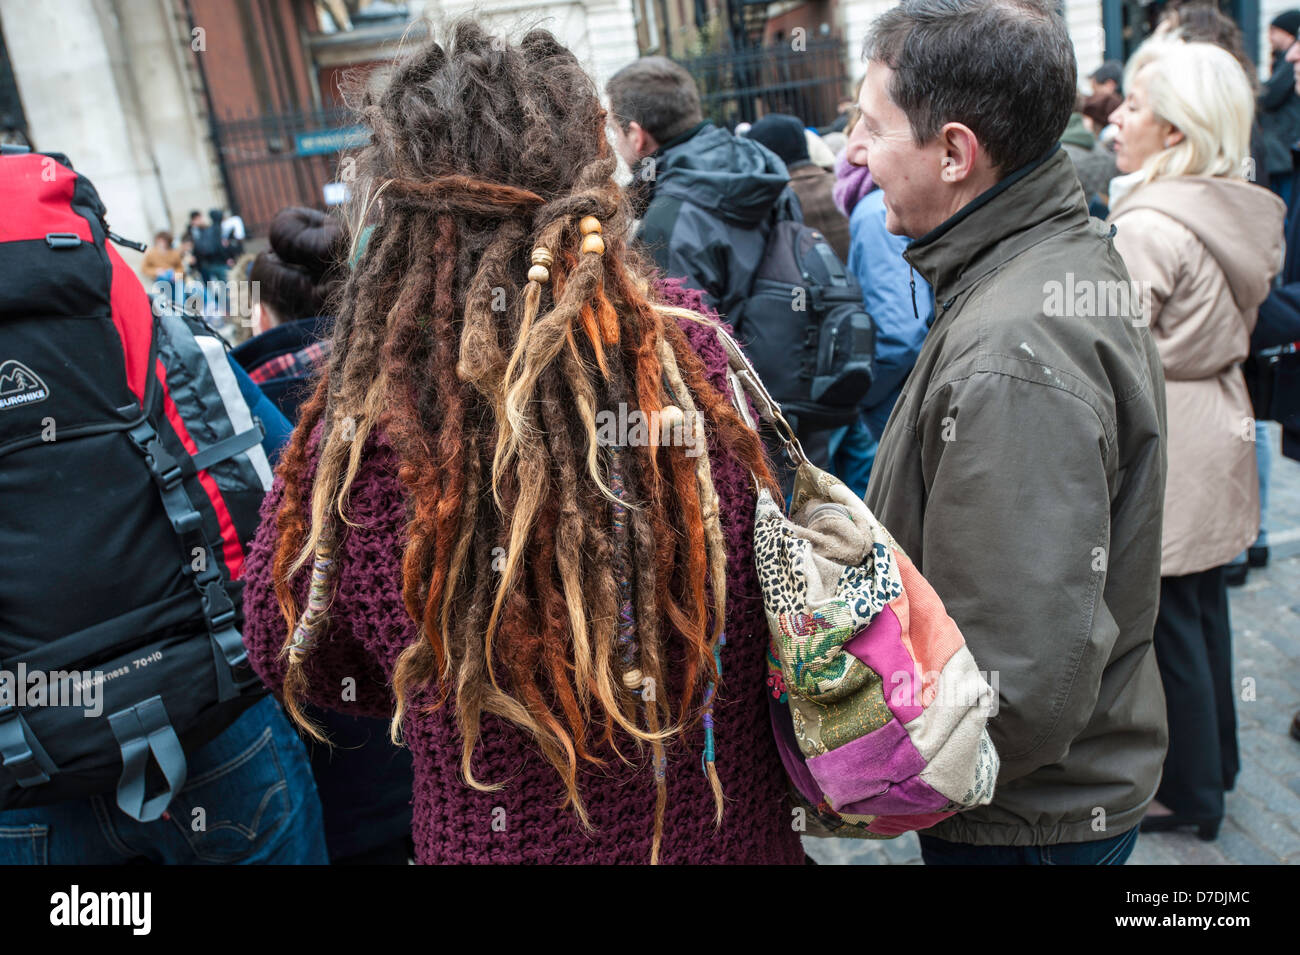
x=1209 y=249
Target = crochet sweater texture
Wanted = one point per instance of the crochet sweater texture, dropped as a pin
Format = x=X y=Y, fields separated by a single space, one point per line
x=522 y=822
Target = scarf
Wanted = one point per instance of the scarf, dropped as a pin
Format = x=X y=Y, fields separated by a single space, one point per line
x=851 y=183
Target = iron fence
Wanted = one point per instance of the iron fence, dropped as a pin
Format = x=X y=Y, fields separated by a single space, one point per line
x=806 y=82
x=275 y=160
x=281 y=159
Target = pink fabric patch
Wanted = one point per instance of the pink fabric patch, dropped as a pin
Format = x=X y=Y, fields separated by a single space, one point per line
x=876 y=773
x=880 y=646
x=897 y=825
x=907 y=797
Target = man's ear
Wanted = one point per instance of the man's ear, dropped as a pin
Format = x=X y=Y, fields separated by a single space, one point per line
x=961 y=152
x=642 y=141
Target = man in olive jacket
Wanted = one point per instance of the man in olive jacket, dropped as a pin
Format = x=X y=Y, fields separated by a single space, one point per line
x=1023 y=466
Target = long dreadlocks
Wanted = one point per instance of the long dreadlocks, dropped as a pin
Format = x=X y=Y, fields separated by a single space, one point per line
x=488 y=386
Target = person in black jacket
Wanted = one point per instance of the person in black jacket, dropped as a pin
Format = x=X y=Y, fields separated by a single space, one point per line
x=210 y=249
x=1279 y=104
x=1278 y=327
x=813 y=185
x=706 y=197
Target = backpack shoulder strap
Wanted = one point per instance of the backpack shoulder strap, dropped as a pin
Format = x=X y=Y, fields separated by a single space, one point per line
x=786 y=208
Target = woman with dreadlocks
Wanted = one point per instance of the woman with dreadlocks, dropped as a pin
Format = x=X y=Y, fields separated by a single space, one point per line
x=565 y=628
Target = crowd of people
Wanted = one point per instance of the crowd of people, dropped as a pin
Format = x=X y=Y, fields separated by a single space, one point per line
x=190 y=271
x=458 y=596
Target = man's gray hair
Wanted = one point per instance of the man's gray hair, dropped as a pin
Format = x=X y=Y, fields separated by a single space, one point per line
x=1005 y=68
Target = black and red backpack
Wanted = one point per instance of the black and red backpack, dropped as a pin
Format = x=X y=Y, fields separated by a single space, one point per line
x=131 y=473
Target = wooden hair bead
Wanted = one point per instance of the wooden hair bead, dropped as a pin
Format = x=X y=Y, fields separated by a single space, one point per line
x=588 y=225
x=671 y=416
x=594 y=243
x=539 y=274
x=542 y=257
x=633 y=679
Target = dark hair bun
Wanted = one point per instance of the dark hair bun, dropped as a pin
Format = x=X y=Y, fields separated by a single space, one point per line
x=304 y=264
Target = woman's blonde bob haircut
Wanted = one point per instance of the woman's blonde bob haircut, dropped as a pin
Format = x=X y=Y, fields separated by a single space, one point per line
x=1203 y=92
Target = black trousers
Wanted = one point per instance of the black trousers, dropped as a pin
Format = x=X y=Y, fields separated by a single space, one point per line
x=1193 y=643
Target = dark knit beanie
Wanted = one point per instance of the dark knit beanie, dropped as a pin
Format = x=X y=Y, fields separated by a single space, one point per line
x=1288 y=22
x=783 y=135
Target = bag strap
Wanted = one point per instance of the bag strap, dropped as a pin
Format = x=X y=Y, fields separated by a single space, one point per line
x=228 y=447
x=744 y=381
x=140 y=730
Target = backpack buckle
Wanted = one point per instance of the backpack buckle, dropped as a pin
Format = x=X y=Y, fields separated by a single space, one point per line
x=217 y=606
x=163 y=468
x=21 y=754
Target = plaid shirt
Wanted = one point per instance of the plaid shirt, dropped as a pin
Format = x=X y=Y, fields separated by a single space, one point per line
x=296 y=364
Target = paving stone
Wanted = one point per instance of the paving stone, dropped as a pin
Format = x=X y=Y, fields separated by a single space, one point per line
x=1265 y=827
x=905 y=850
x=1294 y=783
x=1237 y=845
x=1186 y=848
x=1154 y=848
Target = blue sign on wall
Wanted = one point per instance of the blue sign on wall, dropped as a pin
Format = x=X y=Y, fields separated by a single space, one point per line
x=330 y=140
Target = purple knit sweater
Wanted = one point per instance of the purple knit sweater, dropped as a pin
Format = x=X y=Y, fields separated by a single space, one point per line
x=521 y=823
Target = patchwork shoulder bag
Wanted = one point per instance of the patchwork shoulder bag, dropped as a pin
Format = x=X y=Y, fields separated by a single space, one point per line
x=878 y=708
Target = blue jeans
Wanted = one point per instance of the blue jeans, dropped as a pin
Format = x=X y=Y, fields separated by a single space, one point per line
x=249 y=797
x=1112 y=851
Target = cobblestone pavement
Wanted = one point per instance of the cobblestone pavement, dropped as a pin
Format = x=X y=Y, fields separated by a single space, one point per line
x=1263 y=817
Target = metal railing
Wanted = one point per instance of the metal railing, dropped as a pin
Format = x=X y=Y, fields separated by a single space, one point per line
x=275 y=160
x=280 y=159
x=743 y=86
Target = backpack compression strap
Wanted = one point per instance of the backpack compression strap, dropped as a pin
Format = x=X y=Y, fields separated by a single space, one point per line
x=140 y=730
x=218 y=609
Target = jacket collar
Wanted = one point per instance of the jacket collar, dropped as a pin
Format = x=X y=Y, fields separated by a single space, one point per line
x=282 y=339
x=680 y=138
x=1000 y=223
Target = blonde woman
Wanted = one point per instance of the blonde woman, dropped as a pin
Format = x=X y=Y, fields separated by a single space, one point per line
x=1204 y=244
